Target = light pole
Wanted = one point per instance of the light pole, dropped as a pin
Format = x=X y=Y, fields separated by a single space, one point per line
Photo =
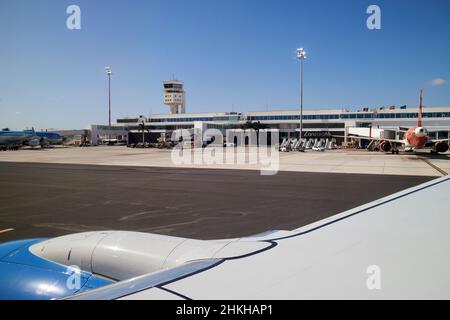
x=109 y=73
x=301 y=55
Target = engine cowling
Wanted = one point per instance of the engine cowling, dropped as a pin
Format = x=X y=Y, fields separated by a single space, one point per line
x=33 y=142
x=385 y=146
x=440 y=146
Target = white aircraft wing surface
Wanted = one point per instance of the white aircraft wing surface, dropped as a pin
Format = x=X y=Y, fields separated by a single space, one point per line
x=439 y=140
x=359 y=137
x=395 y=247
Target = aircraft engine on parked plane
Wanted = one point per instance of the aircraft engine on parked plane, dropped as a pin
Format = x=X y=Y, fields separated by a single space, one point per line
x=440 y=146
x=385 y=146
x=34 y=142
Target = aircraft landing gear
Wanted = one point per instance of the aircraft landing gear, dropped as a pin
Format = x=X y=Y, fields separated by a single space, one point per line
x=395 y=151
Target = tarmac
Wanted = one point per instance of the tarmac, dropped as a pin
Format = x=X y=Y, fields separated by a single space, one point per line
x=330 y=161
x=40 y=197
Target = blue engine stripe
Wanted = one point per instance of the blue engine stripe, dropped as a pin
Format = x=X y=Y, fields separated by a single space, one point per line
x=24 y=276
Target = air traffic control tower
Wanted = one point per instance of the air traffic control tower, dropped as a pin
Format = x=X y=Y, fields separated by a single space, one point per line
x=174 y=96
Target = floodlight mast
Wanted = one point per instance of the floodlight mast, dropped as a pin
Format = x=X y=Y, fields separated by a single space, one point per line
x=109 y=73
x=301 y=55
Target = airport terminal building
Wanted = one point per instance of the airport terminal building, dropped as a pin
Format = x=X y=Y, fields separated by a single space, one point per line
x=316 y=123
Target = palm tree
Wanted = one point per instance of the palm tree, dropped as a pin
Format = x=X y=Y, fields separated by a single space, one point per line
x=142 y=127
x=254 y=125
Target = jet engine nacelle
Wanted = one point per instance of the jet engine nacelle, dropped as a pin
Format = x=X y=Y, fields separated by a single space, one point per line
x=123 y=255
x=440 y=146
x=385 y=146
x=34 y=142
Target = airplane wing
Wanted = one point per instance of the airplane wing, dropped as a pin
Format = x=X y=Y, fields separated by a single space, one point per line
x=439 y=140
x=393 y=248
x=371 y=138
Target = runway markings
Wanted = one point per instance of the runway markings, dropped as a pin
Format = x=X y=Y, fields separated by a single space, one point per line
x=6 y=230
x=435 y=167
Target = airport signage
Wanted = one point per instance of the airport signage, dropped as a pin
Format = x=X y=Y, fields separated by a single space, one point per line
x=317 y=134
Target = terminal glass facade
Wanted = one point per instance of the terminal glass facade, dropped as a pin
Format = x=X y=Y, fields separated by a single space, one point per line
x=293 y=117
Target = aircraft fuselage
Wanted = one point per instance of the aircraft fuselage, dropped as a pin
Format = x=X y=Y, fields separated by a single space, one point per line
x=14 y=137
x=416 y=137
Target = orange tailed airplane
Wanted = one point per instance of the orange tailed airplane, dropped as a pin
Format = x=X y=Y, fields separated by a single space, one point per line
x=415 y=138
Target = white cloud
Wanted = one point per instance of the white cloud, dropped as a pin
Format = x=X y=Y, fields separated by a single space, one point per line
x=436 y=82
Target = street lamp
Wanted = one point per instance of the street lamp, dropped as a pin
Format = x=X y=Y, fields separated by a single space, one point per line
x=301 y=55
x=109 y=73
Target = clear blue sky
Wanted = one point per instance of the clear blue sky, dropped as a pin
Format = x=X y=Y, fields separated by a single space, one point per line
x=233 y=52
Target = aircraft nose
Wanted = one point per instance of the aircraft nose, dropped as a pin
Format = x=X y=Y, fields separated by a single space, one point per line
x=421 y=131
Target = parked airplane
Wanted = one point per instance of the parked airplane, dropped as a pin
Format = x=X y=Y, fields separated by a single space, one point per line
x=393 y=248
x=48 y=137
x=415 y=138
x=16 y=139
